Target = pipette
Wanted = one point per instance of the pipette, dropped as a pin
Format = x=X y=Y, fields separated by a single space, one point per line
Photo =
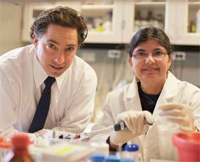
x=122 y=126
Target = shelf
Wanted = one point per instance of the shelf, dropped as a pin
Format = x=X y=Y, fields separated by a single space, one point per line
x=97 y=7
x=194 y=3
x=150 y=3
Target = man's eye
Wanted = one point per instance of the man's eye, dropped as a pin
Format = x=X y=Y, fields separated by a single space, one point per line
x=50 y=46
x=70 y=48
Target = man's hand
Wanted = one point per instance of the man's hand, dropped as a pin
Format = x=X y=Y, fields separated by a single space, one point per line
x=136 y=122
x=180 y=114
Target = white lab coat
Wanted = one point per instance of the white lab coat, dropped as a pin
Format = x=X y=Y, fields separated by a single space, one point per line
x=157 y=143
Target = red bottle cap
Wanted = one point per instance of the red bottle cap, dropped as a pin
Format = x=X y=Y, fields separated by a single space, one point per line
x=20 y=140
x=1 y=139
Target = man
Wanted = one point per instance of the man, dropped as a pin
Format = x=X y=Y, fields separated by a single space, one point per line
x=57 y=34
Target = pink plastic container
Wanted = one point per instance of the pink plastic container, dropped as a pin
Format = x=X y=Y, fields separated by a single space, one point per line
x=188 y=146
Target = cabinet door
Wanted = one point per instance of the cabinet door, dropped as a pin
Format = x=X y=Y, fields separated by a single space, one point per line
x=187 y=27
x=104 y=20
x=32 y=10
x=142 y=13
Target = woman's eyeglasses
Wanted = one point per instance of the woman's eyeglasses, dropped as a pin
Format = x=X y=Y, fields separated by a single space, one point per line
x=156 y=55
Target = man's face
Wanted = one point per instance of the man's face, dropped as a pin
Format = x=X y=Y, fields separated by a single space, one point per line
x=56 y=49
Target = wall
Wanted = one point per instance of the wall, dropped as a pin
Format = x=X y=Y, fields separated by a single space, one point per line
x=10 y=26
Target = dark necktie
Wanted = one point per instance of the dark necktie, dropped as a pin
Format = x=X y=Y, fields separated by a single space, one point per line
x=43 y=107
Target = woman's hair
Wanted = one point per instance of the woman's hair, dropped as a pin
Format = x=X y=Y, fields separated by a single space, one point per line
x=63 y=16
x=150 y=33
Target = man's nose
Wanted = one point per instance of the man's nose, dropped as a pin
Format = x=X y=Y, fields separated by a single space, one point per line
x=60 y=58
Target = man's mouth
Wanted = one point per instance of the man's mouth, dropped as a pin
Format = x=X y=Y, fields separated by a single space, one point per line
x=56 y=67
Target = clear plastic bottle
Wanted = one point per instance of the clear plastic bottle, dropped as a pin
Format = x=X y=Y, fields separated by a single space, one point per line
x=131 y=151
x=127 y=160
x=112 y=158
x=198 y=22
x=4 y=148
x=97 y=157
x=19 y=145
x=137 y=22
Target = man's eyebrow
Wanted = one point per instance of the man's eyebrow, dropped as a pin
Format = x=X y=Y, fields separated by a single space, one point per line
x=53 y=41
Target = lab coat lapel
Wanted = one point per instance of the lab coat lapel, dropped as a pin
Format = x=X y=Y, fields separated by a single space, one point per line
x=153 y=139
x=132 y=102
x=131 y=97
x=169 y=91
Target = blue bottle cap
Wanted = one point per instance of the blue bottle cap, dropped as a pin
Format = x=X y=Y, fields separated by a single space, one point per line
x=112 y=158
x=132 y=147
x=126 y=160
x=97 y=157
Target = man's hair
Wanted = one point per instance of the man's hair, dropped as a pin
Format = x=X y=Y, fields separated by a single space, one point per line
x=150 y=33
x=63 y=16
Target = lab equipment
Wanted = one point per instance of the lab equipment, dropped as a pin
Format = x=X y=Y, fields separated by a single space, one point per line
x=112 y=158
x=20 y=152
x=188 y=146
x=180 y=114
x=126 y=160
x=96 y=157
x=4 y=147
x=131 y=152
x=122 y=126
x=100 y=147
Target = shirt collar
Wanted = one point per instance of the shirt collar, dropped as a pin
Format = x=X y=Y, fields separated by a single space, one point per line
x=132 y=90
x=39 y=74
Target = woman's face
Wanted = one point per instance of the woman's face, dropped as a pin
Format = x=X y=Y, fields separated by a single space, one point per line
x=149 y=69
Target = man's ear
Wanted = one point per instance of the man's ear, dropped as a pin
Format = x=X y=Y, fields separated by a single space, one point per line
x=35 y=40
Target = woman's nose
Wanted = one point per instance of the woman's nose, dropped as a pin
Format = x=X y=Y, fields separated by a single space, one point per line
x=149 y=59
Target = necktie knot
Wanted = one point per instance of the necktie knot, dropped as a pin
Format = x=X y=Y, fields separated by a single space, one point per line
x=49 y=81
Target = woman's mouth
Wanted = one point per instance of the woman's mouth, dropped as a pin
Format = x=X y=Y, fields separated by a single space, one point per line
x=150 y=69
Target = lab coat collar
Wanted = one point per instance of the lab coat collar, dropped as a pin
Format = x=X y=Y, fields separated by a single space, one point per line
x=132 y=90
x=40 y=75
x=170 y=88
x=131 y=96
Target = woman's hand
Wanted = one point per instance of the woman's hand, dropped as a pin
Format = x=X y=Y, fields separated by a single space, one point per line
x=180 y=114
x=137 y=123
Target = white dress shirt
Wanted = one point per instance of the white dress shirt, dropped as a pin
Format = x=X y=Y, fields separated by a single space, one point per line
x=21 y=86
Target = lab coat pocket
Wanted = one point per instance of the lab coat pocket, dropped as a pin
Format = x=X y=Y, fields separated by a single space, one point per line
x=165 y=130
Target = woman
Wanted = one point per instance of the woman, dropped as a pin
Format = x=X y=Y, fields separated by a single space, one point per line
x=155 y=97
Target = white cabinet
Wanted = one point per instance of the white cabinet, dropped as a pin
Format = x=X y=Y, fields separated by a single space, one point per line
x=142 y=13
x=115 y=21
x=32 y=10
x=104 y=20
x=176 y=15
x=185 y=25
